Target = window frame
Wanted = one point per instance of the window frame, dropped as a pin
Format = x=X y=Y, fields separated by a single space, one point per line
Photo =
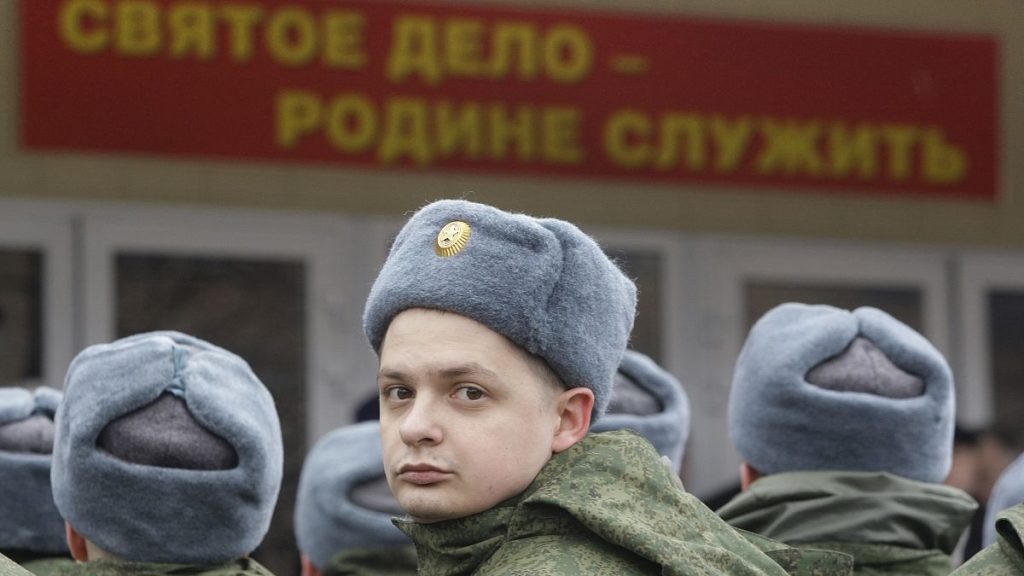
x=980 y=272
x=321 y=243
x=47 y=229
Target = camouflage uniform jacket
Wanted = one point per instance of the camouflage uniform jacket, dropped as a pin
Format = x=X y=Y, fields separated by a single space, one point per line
x=605 y=506
x=9 y=568
x=802 y=561
x=383 y=562
x=890 y=525
x=37 y=563
x=1006 y=556
x=242 y=567
x=44 y=566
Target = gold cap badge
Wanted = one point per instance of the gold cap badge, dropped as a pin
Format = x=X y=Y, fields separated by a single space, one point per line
x=452 y=238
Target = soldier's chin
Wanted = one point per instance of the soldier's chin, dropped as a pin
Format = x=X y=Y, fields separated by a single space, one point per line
x=429 y=512
x=422 y=512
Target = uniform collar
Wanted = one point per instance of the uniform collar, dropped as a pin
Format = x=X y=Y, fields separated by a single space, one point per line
x=459 y=546
x=855 y=507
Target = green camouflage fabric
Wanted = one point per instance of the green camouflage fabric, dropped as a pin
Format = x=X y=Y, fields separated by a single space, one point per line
x=242 y=567
x=605 y=506
x=44 y=566
x=890 y=525
x=384 y=562
x=37 y=563
x=802 y=562
x=1006 y=556
x=9 y=568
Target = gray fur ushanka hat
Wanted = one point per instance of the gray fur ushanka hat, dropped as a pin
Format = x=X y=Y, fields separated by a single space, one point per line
x=888 y=404
x=29 y=520
x=540 y=282
x=150 y=513
x=327 y=520
x=664 y=421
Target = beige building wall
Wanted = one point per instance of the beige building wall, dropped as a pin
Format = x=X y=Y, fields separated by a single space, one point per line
x=636 y=205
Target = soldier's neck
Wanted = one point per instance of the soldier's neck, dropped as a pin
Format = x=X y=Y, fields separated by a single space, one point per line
x=96 y=553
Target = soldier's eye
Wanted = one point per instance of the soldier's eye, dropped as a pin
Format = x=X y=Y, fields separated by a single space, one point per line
x=396 y=393
x=471 y=393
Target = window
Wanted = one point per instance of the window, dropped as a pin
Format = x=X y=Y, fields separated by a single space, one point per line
x=902 y=303
x=21 y=317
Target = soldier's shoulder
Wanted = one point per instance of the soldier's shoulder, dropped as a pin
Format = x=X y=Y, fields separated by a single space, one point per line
x=241 y=567
x=1011 y=520
x=555 y=555
x=991 y=561
x=396 y=561
x=49 y=566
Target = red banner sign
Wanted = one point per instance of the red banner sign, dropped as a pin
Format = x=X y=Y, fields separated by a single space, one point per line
x=573 y=93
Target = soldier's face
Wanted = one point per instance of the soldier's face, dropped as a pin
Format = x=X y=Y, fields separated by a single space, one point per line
x=466 y=420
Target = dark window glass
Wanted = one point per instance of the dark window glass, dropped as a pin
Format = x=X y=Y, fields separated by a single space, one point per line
x=21 y=317
x=1006 y=325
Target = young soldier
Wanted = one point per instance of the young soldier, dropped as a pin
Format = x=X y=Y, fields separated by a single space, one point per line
x=499 y=336
x=31 y=529
x=167 y=459
x=844 y=421
x=344 y=508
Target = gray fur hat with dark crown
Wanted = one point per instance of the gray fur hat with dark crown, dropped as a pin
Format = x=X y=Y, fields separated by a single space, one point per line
x=649 y=400
x=821 y=388
x=108 y=481
x=328 y=520
x=540 y=282
x=29 y=520
x=1007 y=493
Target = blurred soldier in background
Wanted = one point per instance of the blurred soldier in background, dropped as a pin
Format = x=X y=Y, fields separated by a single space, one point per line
x=844 y=421
x=344 y=508
x=167 y=459
x=31 y=529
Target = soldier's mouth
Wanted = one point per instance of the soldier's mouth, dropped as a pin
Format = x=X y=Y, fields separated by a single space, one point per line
x=422 y=474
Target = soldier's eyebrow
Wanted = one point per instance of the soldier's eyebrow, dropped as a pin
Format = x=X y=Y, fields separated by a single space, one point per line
x=467 y=369
x=392 y=375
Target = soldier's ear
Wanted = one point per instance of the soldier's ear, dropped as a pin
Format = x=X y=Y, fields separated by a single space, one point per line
x=748 y=475
x=574 y=408
x=76 y=543
x=308 y=569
